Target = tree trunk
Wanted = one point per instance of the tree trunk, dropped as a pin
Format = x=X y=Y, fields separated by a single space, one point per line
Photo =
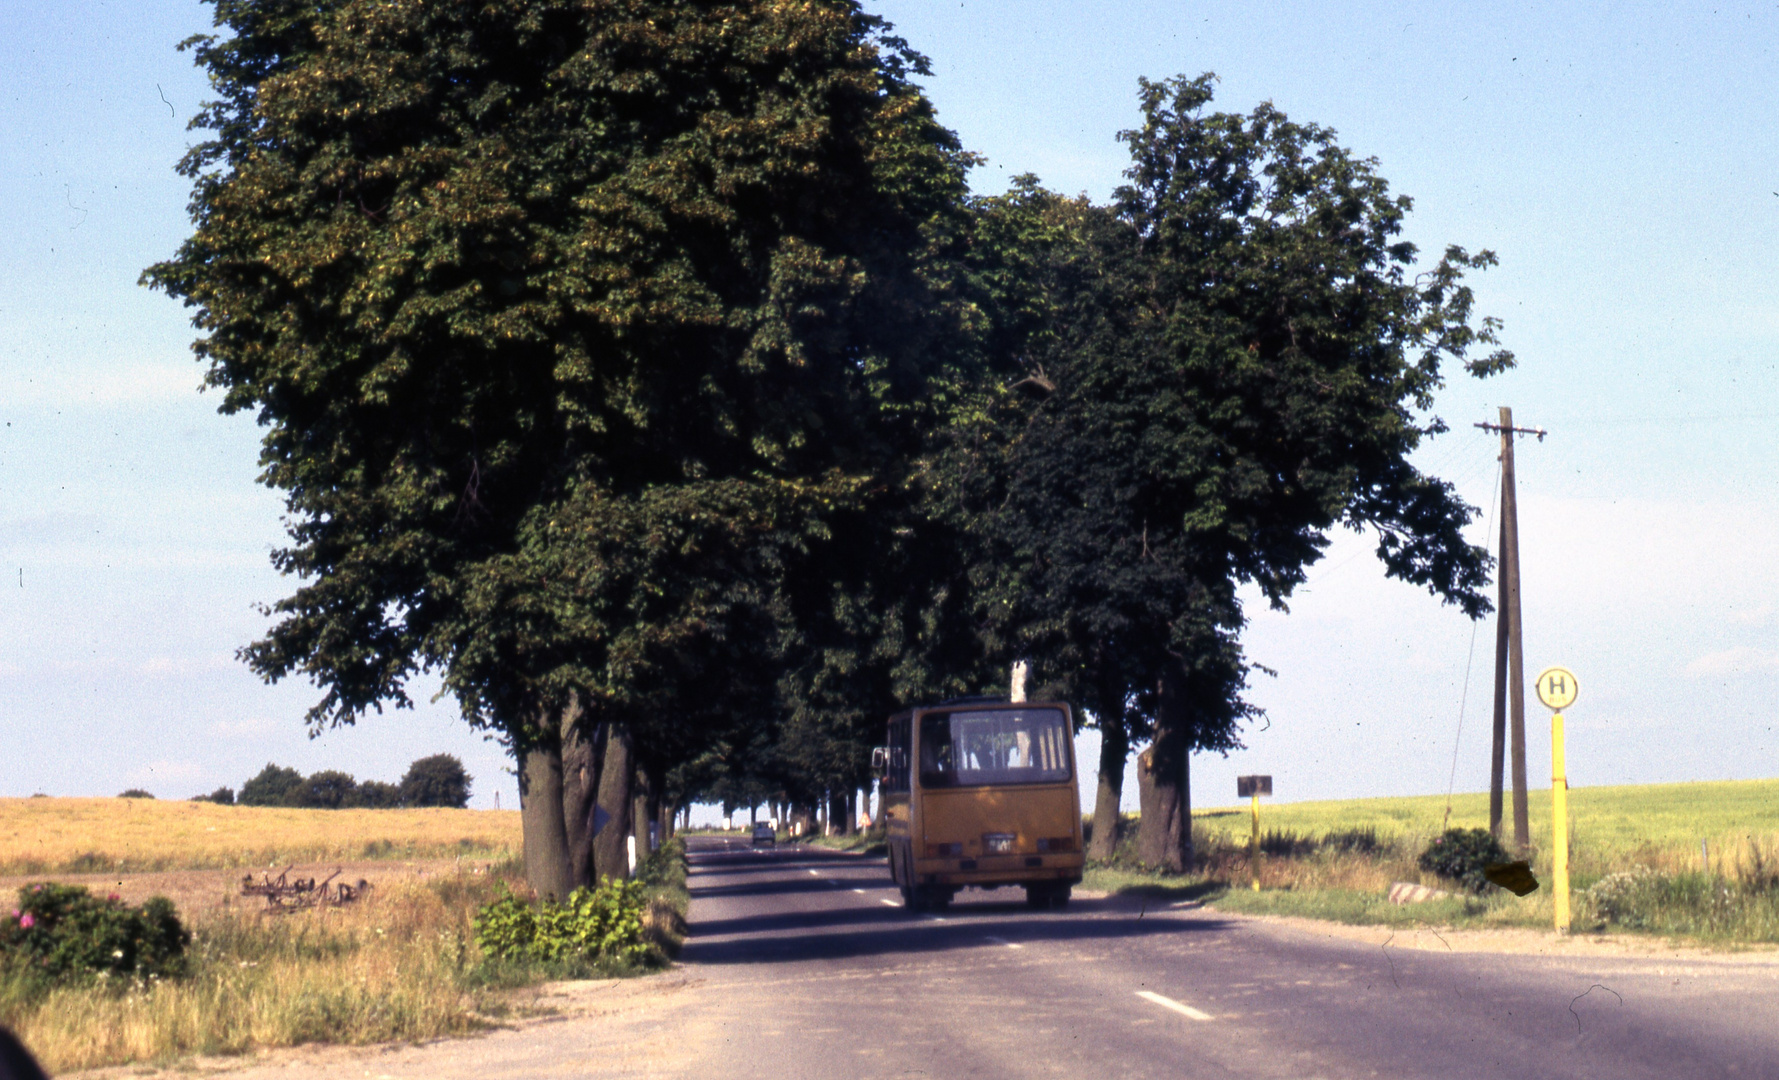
x=1164 y=840
x=610 y=852
x=583 y=746
x=838 y=822
x=639 y=812
x=1114 y=752
x=540 y=818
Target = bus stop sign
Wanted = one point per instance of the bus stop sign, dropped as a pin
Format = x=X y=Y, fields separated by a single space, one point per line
x=1246 y=786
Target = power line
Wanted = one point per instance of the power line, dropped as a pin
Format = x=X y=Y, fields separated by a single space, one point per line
x=1464 y=697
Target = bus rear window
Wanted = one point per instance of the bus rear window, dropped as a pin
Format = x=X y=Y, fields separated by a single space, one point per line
x=994 y=746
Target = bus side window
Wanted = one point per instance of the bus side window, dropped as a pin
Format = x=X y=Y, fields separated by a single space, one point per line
x=899 y=740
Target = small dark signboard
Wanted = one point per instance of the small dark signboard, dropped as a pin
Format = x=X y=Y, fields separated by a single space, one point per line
x=1246 y=786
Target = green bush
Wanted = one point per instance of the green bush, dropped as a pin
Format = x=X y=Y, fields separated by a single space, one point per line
x=63 y=931
x=136 y=793
x=1621 y=897
x=328 y=789
x=1285 y=844
x=374 y=795
x=593 y=924
x=438 y=780
x=1461 y=855
x=1353 y=841
x=273 y=786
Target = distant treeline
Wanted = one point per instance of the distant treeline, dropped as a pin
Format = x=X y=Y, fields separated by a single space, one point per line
x=438 y=780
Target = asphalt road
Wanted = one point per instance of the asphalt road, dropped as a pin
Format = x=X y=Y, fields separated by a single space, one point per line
x=841 y=982
x=803 y=964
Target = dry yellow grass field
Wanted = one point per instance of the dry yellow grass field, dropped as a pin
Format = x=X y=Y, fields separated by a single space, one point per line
x=392 y=968
x=50 y=835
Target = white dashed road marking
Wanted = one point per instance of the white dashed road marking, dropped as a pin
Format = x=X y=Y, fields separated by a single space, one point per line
x=1004 y=941
x=887 y=900
x=1170 y=1003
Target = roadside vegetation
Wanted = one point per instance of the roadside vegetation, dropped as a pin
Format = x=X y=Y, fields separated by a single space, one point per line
x=76 y=836
x=872 y=841
x=1637 y=863
x=404 y=964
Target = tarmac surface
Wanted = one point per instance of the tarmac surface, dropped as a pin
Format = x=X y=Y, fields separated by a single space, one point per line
x=802 y=963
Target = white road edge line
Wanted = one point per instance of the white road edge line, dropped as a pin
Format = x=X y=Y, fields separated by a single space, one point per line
x=858 y=890
x=1004 y=941
x=887 y=900
x=1170 y=1003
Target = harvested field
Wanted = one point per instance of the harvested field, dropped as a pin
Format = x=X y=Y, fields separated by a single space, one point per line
x=198 y=893
x=107 y=837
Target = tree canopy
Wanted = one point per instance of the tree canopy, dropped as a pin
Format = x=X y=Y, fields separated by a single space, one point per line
x=479 y=267
x=1232 y=359
x=647 y=370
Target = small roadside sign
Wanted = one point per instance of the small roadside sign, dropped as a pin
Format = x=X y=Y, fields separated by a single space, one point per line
x=1556 y=688
x=1246 y=786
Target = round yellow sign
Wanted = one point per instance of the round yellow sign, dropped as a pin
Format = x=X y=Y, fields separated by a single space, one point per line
x=1556 y=687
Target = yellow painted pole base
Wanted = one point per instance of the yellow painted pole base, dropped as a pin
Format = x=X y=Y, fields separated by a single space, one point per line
x=1559 y=826
x=1254 y=844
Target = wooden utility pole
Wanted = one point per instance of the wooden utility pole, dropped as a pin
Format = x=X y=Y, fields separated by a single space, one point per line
x=1498 y=752
x=1510 y=678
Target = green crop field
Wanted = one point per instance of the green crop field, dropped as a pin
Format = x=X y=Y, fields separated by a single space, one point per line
x=1337 y=859
x=1609 y=825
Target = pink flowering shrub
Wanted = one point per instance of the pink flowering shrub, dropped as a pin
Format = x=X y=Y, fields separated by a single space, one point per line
x=63 y=931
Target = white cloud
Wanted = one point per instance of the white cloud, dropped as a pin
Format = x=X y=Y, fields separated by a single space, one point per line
x=1741 y=660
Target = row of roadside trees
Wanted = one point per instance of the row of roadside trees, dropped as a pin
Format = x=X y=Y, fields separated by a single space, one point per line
x=435 y=780
x=649 y=371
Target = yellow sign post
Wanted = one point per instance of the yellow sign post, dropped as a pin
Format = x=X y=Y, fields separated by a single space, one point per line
x=1252 y=787
x=1557 y=688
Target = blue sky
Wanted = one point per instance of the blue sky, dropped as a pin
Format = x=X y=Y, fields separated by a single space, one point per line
x=1617 y=158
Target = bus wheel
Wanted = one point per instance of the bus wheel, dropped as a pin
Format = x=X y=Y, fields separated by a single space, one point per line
x=910 y=899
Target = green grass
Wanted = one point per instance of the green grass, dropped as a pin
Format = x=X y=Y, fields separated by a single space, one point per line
x=1644 y=838
x=869 y=842
x=402 y=965
x=1611 y=823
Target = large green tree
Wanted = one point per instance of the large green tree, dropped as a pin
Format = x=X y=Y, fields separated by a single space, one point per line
x=1237 y=356
x=480 y=267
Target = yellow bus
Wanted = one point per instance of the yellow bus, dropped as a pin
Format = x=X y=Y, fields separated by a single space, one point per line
x=982 y=794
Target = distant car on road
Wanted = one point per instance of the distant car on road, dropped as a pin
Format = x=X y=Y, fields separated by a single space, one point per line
x=765 y=835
